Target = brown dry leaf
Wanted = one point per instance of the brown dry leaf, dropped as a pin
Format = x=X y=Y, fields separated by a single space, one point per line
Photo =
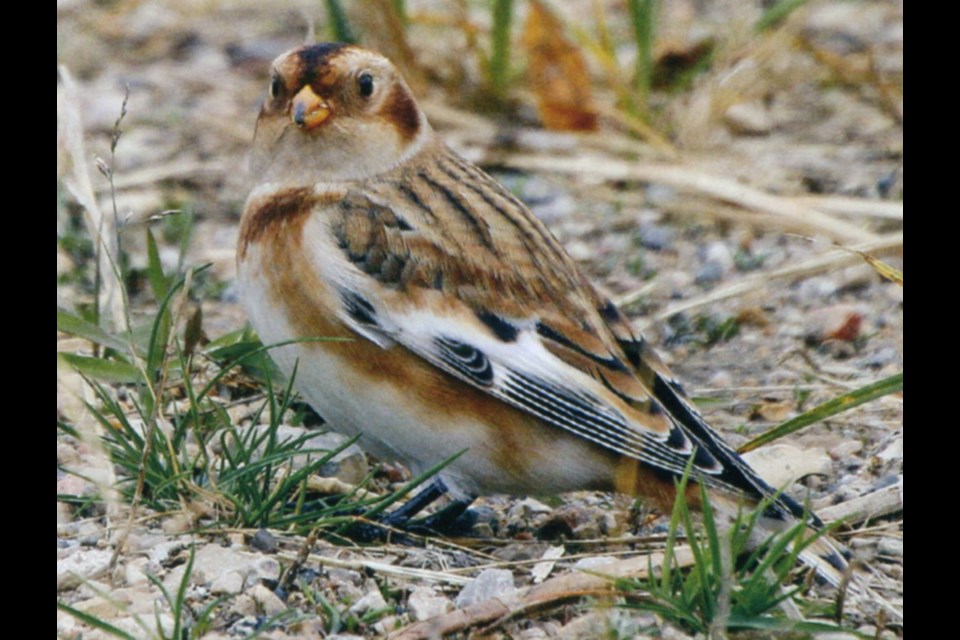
x=557 y=73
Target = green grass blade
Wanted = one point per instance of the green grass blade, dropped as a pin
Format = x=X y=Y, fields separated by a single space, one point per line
x=642 y=18
x=832 y=407
x=158 y=281
x=500 y=46
x=113 y=371
x=76 y=326
x=777 y=13
x=339 y=23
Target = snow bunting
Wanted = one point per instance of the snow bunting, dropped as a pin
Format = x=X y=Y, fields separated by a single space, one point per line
x=470 y=328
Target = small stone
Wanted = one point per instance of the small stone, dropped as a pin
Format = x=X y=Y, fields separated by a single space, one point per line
x=267 y=601
x=424 y=603
x=371 y=601
x=655 y=237
x=816 y=290
x=243 y=605
x=149 y=626
x=526 y=508
x=782 y=464
x=847 y=449
x=893 y=451
x=891 y=546
x=177 y=523
x=386 y=624
x=490 y=583
x=263 y=541
x=593 y=563
x=80 y=566
x=836 y=322
x=227 y=583
x=720 y=379
x=748 y=118
x=64 y=514
x=136 y=571
x=717 y=253
x=709 y=273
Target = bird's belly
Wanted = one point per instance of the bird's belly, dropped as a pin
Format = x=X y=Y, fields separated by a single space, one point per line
x=406 y=409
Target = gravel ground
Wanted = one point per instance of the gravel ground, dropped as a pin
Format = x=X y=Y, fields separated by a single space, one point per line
x=810 y=119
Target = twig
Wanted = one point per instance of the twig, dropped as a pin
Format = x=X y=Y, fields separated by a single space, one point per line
x=686 y=179
x=875 y=504
x=818 y=264
x=853 y=207
x=549 y=593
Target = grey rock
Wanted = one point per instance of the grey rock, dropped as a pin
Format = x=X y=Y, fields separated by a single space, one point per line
x=891 y=546
x=267 y=601
x=371 y=601
x=424 y=603
x=263 y=541
x=212 y=561
x=748 y=118
x=81 y=565
x=595 y=562
x=656 y=237
x=227 y=583
x=490 y=583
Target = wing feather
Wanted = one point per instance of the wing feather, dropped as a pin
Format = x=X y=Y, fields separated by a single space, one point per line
x=490 y=297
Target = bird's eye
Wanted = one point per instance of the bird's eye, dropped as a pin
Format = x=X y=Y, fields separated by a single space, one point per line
x=365 y=83
x=275 y=87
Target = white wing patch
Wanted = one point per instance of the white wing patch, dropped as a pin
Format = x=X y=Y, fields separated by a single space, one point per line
x=525 y=374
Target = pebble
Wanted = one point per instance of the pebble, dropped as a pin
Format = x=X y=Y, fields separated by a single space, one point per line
x=243 y=605
x=227 y=583
x=655 y=237
x=782 y=464
x=81 y=565
x=65 y=526
x=371 y=601
x=816 y=290
x=424 y=603
x=748 y=118
x=263 y=541
x=267 y=601
x=386 y=624
x=893 y=451
x=136 y=570
x=891 y=546
x=594 y=562
x=846 y=449
x=836 y=322
x=490 y=583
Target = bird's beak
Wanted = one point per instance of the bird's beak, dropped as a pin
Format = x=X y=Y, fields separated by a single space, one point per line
x=309 y=110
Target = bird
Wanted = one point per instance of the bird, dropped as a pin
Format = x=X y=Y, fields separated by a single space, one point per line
x=459 y=326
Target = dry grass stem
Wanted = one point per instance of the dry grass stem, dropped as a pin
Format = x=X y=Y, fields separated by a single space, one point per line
x=100 y=227
x=685 y=179
x=819 y=264
x=549 y=593
x=876 y=504
x=853 y=207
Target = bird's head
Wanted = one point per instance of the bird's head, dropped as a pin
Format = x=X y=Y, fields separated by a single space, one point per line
x=335 y=112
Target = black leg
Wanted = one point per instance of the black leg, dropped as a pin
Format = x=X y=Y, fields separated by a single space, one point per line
x=400 y=516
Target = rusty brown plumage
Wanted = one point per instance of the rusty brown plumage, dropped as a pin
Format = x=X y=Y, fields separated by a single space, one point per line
x=469 y=327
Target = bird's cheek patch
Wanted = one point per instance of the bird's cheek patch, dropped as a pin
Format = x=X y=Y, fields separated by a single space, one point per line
x=401 y=111
x=308 y=110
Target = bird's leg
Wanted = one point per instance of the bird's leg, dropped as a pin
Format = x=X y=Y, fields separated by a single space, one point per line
x=448 y=520
x=401 y=516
